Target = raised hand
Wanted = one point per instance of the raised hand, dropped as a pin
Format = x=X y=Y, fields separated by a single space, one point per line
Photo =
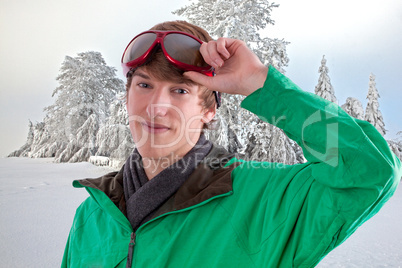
x=238 y=69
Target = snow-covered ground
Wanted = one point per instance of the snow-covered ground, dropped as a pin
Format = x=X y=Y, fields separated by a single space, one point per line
x=37 y=204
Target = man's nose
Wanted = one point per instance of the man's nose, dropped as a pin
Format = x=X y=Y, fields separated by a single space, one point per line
x=159 y=103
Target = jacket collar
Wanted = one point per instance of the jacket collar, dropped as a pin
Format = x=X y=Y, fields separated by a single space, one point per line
x=211 y=178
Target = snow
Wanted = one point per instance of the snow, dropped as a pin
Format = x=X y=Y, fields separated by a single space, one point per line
x=377 y=243
x=38 y=203
x=99 y=160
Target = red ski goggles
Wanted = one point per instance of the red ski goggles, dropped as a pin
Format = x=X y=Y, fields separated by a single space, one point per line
x=180 y=49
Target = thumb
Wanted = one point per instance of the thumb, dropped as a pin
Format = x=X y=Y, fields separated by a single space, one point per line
x=199 y=78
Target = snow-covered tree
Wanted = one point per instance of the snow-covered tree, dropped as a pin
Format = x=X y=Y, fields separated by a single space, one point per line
x=373 y=114
x=114 y=138
x=40 y=141
x=85 y=141
x=267 y=142
x=354 y=108
x=87 y=86
x=227 y=129
x=324 y=88
x=396 y=145
x=219 y=133
x=67 y=151
x=68 y=131
x=26 y=148
x=396 y=148
x=281 y=148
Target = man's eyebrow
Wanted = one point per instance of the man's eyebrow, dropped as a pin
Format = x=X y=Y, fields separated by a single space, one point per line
x=141 y=74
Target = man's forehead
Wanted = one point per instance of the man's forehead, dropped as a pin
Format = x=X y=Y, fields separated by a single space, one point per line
x=144 y=73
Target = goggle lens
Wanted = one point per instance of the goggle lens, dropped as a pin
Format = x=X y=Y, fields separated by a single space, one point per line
x=139 y=46
x=184 y=49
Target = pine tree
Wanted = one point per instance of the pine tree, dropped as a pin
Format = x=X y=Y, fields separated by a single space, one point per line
x=26 y=148
x=85 y=140
x=228 y=128
x=396 y=145
x=324 y=88
x=396 y=148
x=40 y=141
x=268 y=143
x=87 y=86
x=114 y=138
x=373 y=114
x=354 y=108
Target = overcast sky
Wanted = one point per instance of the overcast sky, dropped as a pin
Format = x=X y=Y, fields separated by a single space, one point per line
x=357 y=38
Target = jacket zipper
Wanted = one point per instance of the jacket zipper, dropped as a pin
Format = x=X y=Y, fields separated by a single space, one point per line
x=131 y=250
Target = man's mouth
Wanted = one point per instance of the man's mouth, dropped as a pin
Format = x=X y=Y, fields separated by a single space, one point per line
x=154 y=128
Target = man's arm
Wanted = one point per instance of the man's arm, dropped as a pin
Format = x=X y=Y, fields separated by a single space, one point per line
x=299 y=213
x=307 y=210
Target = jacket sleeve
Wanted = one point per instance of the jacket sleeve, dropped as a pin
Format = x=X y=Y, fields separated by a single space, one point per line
x=309 y=209
x=65 y=260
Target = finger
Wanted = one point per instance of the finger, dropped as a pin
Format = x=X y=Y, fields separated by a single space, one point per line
x=199 y=78
x=215 y=57
x=205 y=53
x=221 y=44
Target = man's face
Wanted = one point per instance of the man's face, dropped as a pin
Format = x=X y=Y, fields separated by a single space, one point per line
x=165 y=118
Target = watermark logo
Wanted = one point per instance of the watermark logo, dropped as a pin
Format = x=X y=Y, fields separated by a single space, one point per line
x=325 y=150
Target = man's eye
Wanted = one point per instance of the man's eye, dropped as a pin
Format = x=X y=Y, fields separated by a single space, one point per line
x=180 y=91
x=143 y=85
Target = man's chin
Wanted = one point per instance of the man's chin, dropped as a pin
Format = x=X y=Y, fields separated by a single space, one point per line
x=155 y=153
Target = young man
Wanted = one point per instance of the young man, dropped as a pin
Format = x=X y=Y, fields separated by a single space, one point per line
x=180 y=201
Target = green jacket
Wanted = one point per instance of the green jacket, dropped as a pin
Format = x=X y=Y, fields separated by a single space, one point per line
x=251 y=214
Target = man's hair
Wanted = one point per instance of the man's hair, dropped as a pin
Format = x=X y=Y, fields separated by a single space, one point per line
x=161 y=69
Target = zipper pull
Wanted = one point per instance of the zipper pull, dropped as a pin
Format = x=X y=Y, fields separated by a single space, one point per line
x=131 y=250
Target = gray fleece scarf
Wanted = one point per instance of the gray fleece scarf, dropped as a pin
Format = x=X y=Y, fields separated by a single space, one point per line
x=143 y=196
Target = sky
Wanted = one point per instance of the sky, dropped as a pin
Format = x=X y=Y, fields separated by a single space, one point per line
x=357 y=38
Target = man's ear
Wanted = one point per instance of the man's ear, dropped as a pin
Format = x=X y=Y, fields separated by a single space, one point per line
x=209 y=114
